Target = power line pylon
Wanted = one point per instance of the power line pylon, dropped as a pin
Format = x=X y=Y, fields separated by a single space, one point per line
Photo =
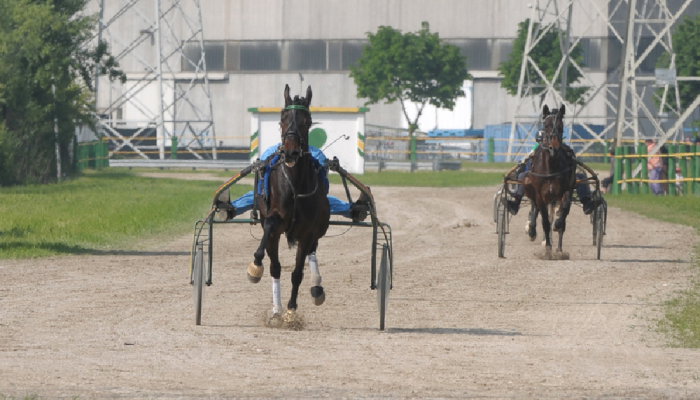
x=166 y=100
x=653 y=19
x=650 y=18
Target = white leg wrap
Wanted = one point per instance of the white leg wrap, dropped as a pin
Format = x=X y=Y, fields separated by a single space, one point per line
x=313 y=264
x=313 y=269
x=276 y=297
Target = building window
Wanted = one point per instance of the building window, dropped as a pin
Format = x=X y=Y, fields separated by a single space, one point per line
x=261 y=56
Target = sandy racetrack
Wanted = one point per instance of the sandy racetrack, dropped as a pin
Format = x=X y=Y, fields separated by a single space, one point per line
x=462 y=323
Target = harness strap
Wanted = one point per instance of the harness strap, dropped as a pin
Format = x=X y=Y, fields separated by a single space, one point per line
x=296 y=195
x=552 y=175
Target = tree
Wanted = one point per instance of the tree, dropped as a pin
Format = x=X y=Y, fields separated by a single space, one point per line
x=42 y=47
x=686 y=47
x=415 y=67
x=547 y=54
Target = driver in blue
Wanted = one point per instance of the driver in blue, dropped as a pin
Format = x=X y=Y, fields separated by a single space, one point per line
x=338 y=207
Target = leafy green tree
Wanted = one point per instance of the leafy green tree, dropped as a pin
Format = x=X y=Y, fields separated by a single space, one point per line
x=46 y=75
x=547 y=54
x=686 y=46
x=416 y=67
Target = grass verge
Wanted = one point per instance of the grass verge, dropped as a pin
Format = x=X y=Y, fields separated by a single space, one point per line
x=99 y=212
x=681 y=319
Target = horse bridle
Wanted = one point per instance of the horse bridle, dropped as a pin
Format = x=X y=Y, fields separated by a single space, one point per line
x=546 y=138
x=546 y=146
x=294 y=108
x=295 y=132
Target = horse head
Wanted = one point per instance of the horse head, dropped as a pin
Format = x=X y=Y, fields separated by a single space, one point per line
x=553 y=122
x=295 y=122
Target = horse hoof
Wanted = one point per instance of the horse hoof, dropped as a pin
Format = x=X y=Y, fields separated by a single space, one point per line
x=290 y=316
x=255 y=272
x=318 y=295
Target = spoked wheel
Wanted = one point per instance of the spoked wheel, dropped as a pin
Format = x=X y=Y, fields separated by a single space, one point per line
x=599 y=227
x=198 y=280
x=383 y=286
x=501 y=226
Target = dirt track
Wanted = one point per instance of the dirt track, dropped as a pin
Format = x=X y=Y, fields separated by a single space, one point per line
x=462 y=323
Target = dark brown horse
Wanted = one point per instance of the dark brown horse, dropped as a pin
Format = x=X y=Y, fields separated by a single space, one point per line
x=551 y=178
x=297 y=204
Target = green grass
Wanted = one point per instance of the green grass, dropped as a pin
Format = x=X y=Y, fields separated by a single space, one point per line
x=99 y=212
x=681 y=319
x=427 y=179
x=684 y=210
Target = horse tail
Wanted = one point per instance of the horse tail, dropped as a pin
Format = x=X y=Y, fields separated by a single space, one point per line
x=291 y=242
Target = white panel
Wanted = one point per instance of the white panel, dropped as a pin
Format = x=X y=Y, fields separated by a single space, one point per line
x=460 y=117
x=335 y=126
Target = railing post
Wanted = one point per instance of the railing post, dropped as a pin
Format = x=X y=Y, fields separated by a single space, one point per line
x=671 y=173
x=684 y=148
x=607 y=150
x=492 y=147
x=617 y=172
x=696 y=168
x=173 y=147
x=103 y=154
x=644 y=173
x=629 y=184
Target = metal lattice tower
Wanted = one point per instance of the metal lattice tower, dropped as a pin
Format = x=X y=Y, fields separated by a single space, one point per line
x=159 y=44
x=654 y=18
x=650 y=18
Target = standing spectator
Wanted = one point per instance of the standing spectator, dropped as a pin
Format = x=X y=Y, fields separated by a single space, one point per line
x=679 y=181
x=655 y=166
x=664 y=169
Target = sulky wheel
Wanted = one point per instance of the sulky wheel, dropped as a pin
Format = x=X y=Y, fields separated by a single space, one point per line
x=501 y=226
x=198 y=280
x=383 y=285
x=599 y=226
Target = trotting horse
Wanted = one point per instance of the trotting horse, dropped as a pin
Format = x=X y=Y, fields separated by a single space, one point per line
x=297 y=205
x=551 y=179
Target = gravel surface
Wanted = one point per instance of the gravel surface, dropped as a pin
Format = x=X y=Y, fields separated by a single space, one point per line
x=461 y=322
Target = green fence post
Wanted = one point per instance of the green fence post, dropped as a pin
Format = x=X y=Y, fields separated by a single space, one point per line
x=105 y=154
x=639 y=163
x=629 y=185
x=79 y=157
x=74 y=161
x=671 y=173
x=607 y=150
x=643 y=185
x=98 y=155
x=84 y=153
x=617 y=172
x=173 y=148
x=696 y=174
x=492 y=148
x=683 y=160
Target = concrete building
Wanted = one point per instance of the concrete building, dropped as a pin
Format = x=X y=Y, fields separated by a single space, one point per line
x=255 y=47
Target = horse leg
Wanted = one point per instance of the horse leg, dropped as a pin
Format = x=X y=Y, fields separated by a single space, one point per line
x=560 y=223
x=298 y=274
x=255 y=269
x=546 y=227
x=317 y=292
x=532 y=223
x=272 y=248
